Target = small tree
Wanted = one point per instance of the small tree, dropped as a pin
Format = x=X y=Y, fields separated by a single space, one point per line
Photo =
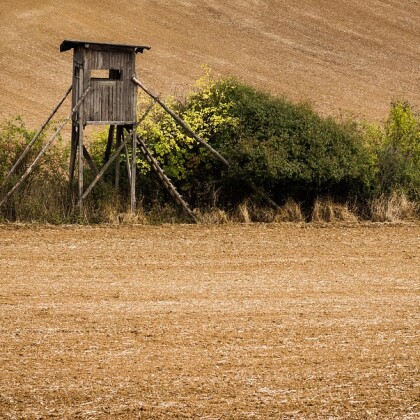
x=399 y=157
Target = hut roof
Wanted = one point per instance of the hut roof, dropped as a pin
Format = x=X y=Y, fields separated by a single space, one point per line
x=68 y=44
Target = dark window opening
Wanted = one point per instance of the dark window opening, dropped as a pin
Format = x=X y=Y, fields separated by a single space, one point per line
x=115 y=74
x=107 y=74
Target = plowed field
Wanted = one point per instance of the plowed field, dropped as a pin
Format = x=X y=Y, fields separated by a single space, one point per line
x=344 y=57
x=235 y=321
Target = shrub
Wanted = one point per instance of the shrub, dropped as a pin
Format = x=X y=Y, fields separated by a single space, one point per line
x=43 y=195
x=287 y=149
x=399 y=157
x=284 y=148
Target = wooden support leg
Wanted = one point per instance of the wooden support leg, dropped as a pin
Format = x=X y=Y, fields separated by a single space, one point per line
x=133 y=170
x=73 y=155
x=73 y=152
x=128 y=164
x=105 y=167
x=118 y=161
x=80 y=164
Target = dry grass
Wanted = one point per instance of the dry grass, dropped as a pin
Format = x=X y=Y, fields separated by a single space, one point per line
x=213 y=216
x=328 y=211
x=140 y=217
x=290 y=212
x=229 y=321
x=395 y=208
x=242 y=214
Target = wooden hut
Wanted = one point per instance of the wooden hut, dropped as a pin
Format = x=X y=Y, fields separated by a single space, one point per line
x=108 y=70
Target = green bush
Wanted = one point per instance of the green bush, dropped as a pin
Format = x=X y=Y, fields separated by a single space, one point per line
x=43 y=195
x=288 y=149
x=284 y=148
x=399 y=156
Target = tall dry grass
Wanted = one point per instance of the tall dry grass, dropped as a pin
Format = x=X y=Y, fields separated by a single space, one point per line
x=290 y=212
x=326 y=210
x=394 y=208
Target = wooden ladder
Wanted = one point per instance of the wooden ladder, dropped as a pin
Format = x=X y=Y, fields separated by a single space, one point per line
x=164 y=178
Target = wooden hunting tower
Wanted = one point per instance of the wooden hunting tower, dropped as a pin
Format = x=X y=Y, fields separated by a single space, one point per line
x=103 y=92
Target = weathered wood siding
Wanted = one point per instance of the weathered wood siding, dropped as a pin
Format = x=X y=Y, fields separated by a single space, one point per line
x=109 y=101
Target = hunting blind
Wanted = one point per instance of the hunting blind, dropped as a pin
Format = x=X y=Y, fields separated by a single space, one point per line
x=108 y=70
x=104 y=92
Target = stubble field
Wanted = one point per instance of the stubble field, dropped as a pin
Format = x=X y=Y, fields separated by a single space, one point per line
x=234 y=321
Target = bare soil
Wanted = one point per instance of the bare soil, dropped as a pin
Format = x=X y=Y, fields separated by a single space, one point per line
x=343 y=57
x=233 y=321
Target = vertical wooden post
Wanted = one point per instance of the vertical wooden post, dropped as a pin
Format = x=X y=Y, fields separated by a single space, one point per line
x=128 y=164
x=80 y=164
x=118 y=161
x=80 y=118
x=133 y=169
x=73 y=155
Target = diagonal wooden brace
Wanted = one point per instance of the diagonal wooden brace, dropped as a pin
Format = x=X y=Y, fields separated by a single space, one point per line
x=165 y=180
x=44 y=149
x=35 y=138
x=182 y=123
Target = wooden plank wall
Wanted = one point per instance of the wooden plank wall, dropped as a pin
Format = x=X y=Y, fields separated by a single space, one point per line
x=109 y=100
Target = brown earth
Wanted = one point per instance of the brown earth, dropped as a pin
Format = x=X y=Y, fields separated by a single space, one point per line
x=344 y=57
x=234 y=321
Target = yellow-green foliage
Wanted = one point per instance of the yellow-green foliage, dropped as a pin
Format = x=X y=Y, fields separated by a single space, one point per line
x=402 y=143
x=209 y=108
x=394 y=151
x=13 y=138
x=206 y=111
x=169 y=146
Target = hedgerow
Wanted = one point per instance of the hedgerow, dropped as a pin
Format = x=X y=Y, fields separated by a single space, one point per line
x=283 y=148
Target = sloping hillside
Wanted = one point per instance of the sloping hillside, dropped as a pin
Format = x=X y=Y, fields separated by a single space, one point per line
x=343 y=56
